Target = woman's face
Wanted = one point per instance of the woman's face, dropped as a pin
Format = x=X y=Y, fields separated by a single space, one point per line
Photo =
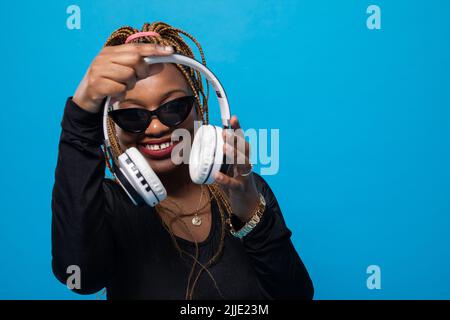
x=164 y=84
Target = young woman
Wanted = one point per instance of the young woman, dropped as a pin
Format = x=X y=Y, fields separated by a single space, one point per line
x=187 y=246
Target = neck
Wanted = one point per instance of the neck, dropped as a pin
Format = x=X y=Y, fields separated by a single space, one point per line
x=178 y=182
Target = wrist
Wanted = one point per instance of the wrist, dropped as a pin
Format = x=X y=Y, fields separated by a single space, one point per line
x=84 y=100
x=246 y=211
x=89 y=105
x=244 y=218
x=251 y=223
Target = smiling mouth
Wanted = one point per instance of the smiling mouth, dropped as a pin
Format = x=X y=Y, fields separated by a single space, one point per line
x=158 y=150
x=161 y=146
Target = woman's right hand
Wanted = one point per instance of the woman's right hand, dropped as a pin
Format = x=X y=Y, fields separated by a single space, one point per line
x=114 y=71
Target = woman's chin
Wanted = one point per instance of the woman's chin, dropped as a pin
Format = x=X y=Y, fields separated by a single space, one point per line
x=162 y=166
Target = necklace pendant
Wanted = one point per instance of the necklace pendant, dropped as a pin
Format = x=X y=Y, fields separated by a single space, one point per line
x=196 y=221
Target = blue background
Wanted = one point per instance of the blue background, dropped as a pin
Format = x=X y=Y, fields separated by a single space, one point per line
x=363 y=116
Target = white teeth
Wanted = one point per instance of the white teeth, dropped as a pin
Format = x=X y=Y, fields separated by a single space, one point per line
x=161 y=146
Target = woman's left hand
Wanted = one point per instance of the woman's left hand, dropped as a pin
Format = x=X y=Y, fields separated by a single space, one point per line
x=242 y=191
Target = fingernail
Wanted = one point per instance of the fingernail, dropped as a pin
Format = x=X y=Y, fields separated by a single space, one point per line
x=218 y=176
x=164 y=48
x=168 y=48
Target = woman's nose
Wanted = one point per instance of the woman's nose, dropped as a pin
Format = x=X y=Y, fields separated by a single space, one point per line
x=156 y=128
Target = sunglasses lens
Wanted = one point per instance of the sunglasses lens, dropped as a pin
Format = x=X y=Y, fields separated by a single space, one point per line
x=131 y=120
x=176 y=111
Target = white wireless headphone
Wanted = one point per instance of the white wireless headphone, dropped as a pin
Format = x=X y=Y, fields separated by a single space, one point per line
x=206 y=158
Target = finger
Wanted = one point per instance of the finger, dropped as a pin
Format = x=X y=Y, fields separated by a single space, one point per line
x=132 y=54
x=242 y=164
x=229 y=154
x=108 y=87
x=235 y=156
x=228 y=182
x=237 y=142
x=238 y=131
x=151 y=49
x=234 y=122
x=144 y=49
x=236 y=127
x=133 y=60
x=120 y=73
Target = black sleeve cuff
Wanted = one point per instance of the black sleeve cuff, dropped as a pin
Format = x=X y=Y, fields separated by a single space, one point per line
x=84 y=125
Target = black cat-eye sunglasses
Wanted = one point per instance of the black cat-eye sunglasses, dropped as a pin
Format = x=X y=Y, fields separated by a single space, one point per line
x=136 y=120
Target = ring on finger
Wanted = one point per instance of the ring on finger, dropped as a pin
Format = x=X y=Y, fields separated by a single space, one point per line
x=247 y=173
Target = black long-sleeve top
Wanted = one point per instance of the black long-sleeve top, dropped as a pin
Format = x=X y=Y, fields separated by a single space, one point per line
x=126 y=249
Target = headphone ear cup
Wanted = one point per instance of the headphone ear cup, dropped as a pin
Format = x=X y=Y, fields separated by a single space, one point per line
x=127 y=187
x=206 y=156
x=142 y=177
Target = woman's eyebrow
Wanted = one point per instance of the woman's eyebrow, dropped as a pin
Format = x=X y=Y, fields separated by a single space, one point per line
x=163 y=97
x=168 y=93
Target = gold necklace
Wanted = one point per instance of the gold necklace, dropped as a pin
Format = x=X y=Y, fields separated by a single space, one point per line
x=196 y=220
